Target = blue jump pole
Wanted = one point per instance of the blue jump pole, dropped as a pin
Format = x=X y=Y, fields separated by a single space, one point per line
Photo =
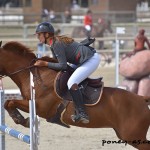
x=15 y=133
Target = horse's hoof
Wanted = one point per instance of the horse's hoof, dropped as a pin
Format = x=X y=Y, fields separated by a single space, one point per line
x=27 y=123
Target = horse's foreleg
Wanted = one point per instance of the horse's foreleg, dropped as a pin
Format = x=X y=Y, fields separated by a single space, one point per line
x=12 y=105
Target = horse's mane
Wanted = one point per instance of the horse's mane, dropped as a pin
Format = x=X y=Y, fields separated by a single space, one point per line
x=22 y=50
x=18 y=48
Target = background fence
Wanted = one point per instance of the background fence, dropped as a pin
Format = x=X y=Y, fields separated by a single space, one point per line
x=25 y=33
x=113 y=16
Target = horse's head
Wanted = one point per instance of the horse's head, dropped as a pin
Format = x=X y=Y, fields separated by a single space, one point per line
x=13 y=56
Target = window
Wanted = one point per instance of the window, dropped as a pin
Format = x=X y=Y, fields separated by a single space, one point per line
x=80 y=3
x=28 y=3
x=94 y=2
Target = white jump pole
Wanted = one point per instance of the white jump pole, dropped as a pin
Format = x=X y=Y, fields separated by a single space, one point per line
x=117 y=61
x=119 y=30
x=34 y=119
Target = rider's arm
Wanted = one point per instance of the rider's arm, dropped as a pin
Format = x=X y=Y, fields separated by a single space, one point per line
x=61 y=57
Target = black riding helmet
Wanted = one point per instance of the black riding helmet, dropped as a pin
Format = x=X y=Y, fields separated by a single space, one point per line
x=44 y=27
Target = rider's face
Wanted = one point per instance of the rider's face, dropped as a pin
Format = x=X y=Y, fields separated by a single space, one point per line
x=44 y=37
x=41 y=37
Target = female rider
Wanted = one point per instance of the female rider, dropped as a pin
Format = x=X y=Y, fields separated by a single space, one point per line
x=66 y=50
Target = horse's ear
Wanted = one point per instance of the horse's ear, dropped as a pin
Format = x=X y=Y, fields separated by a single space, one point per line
x=0 y=43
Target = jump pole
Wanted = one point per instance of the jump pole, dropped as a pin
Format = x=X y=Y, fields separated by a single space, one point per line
x=33 y=139
x=2 y=116
x=119 y=30
x=34 y=119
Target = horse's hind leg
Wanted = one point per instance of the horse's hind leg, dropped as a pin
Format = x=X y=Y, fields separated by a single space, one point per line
x=12 y=105
x=136 y=135
x=139 y=138
x=134 y=130
x=144 y=146
x=143 y=143
x=139 y=142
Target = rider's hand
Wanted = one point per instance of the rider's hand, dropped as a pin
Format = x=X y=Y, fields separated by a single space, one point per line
x=41 y=63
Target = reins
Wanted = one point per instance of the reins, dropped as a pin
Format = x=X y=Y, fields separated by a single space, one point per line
x=20 y=70
x=36 y=74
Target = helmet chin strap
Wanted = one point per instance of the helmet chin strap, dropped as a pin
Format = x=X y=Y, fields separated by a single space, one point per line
x=45 y=42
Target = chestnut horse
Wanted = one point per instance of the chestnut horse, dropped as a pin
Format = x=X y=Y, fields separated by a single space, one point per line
x=127 y=113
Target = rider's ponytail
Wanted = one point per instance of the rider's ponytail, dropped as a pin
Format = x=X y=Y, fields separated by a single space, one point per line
x=65 y=39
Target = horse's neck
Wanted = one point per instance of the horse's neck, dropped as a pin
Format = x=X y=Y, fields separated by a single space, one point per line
x=21 y=76
x=22 y=80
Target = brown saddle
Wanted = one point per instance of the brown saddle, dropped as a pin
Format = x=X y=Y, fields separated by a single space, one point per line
x=91 y=88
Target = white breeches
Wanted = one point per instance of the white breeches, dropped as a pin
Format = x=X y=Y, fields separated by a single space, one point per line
x=84 y=71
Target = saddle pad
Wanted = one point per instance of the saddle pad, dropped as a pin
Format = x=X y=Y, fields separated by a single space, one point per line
x=91 y=95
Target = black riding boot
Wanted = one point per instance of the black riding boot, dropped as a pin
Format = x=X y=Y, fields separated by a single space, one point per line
x=80 y=114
